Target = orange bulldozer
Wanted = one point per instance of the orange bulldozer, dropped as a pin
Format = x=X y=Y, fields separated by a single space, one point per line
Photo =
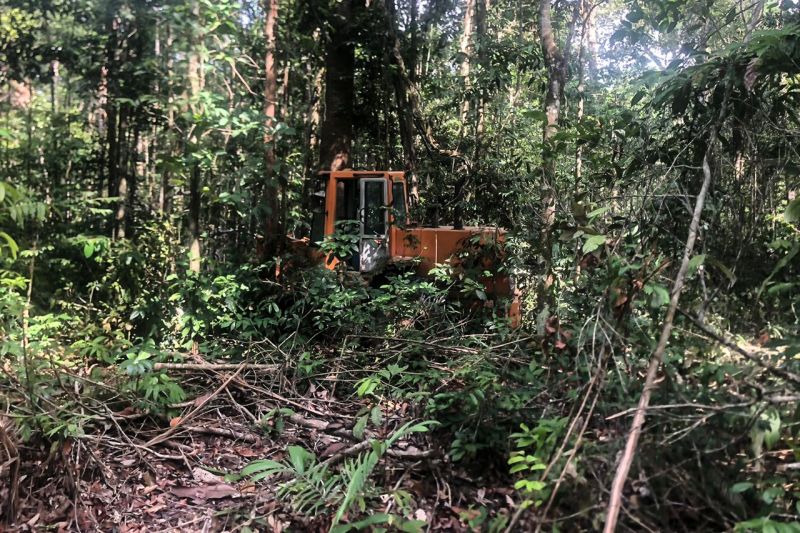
x=377 y=203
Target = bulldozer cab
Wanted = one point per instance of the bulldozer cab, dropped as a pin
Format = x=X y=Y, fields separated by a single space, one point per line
x=373 y=201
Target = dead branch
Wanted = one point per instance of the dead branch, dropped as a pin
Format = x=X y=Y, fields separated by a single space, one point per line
x=215 y=367
x=224 y=432
x=193 y=412
x=785 y=374
x=615 y=500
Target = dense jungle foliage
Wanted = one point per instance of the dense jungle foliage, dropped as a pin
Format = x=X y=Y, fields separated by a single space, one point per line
x=173 y=357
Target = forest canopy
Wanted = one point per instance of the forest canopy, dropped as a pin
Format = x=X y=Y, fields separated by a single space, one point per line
x=415 y=265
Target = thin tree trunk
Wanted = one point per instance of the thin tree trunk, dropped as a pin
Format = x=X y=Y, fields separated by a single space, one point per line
x=121 y=190
x=193 y=225
x=585 y=10
x=112 y=139
x=414 y=30
x=272 y=225
x=196 y=79
x=556 y=63
x=313 y=114
x=553 y=60
x=165 y=192
x=466 y=48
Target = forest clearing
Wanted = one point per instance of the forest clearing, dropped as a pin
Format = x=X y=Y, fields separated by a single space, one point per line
x=400 y=265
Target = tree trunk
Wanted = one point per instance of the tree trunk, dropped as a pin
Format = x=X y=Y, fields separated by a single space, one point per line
x=586 y=15
x=313 y=113
x=336 y=136
x=272 y=226
x=121 y=185
x=193 y=225
x=466 y=48
x=112 y=92
x=165 y=192
x=556 y=65
x=196 y=79
x=405 y=114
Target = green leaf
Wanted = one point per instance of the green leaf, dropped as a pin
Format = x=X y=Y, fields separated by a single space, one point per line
x=378 y=518
x=88 y=249
x=659 y=295
x=792 y=213
x=598 y=212
x=773 y=434
x=263 y=466
x=638 y=97
x=771 y=494
x=695 y=262
x=785 y=260
x=741 y=487
x=376 y=416
x=360 y=427
x=299 y=457
x=724 y=269
x=10 y=243
x=593 y=243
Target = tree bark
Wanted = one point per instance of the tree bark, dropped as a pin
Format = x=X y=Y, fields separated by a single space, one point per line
x=556 y=64
x=313 y=114
x=110 y=75
x=196 y=80
x=553 y=60
x=467 y=49
x=272 y=226
x=586 y=15
x=405 y=113
x=336 y=135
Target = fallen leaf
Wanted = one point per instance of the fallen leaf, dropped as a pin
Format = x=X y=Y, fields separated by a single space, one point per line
x=204 y=476
x=201 y=399
x=246 y=452
x=156 y=508
x=332 y=449
x=175 y=421
x=247 y=487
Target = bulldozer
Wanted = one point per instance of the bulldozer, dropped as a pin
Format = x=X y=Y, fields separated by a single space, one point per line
x=377 y=201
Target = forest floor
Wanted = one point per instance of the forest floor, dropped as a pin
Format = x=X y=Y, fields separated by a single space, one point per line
x=137 y=473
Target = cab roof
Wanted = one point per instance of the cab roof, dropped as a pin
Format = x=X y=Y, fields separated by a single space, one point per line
x=344 y=174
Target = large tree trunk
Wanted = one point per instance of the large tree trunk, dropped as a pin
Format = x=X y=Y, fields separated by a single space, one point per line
x=405 y=113
x=467 y=49
x=336 y=136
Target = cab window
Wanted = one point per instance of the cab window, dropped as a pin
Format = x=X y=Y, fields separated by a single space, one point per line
x=399 y=202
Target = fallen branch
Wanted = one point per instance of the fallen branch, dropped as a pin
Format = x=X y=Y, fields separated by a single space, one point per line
x=335 y=430
x=214 y=367
x=785 y=374
x=193 y=412
x=224 y=432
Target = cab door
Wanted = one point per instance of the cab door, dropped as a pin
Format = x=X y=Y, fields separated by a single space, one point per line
x=374 y=247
